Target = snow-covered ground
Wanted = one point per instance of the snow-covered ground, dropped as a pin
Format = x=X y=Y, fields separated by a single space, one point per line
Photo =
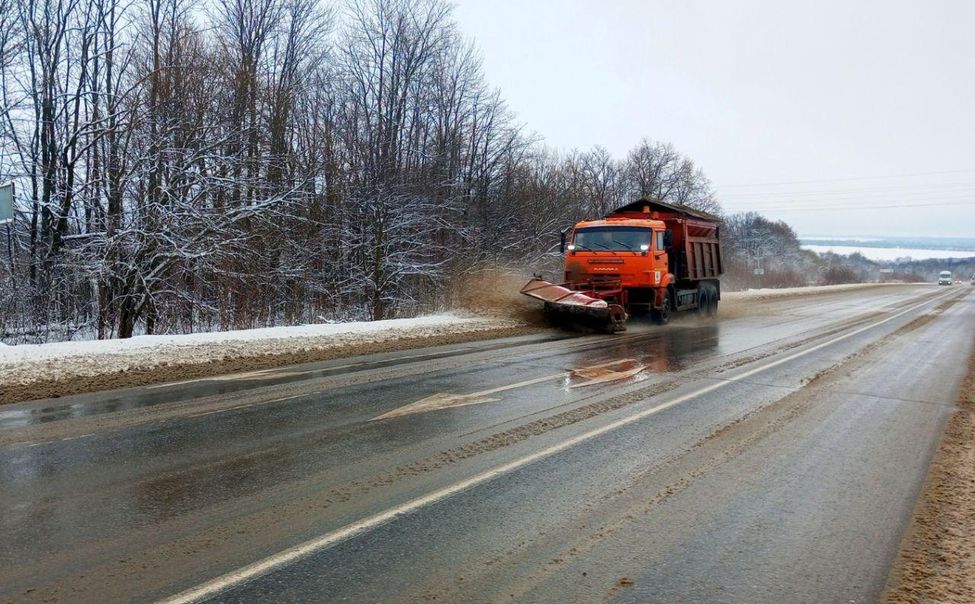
x=889 y=253
x=292 y=337
x=789 y=292
x=56 y=369
x=63 y=361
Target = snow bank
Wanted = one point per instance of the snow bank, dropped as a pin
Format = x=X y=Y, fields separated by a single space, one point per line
x=212 y=340
x=175 y=356
x=791 y=292
x=32 y=371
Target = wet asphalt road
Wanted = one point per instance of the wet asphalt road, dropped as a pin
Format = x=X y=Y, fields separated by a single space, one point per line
x=771 y=456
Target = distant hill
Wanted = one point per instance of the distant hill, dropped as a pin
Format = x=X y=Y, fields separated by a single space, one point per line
x=928 y=243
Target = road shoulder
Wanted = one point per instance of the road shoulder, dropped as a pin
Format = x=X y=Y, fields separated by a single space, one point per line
x=38 y=372
x=936 y=562
x=55 y=377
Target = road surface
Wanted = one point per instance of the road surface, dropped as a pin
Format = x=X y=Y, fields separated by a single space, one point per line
x=773 y=455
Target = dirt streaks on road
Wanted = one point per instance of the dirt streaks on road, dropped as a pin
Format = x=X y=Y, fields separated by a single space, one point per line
x=937 y=559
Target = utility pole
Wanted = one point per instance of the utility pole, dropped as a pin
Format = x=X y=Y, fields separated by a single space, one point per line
x=756 y=257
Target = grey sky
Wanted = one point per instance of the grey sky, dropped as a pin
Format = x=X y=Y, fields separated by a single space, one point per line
x=875 y=101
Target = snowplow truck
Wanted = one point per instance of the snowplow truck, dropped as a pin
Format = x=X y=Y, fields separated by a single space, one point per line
x=647 y=257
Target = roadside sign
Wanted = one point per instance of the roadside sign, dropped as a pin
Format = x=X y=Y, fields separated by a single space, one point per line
x=759 y=271
x=6 y=202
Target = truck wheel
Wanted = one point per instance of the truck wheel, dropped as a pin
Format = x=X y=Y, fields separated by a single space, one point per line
x=703 y=301
x=712 y=301
x=662 y=315
x=707 y=301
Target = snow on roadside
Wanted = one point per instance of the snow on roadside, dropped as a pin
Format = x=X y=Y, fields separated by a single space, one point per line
x=31 y=362
x=32 y=371
x=790 y=292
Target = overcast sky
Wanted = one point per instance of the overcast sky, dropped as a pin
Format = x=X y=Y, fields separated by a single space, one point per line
x=850 y=104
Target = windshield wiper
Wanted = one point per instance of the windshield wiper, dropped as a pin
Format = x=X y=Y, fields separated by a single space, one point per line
x=605 y=247
x=625 y=246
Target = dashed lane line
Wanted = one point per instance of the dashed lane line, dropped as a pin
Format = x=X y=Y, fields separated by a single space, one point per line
x=317 y=544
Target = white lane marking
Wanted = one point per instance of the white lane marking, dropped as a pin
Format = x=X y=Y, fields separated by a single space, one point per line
x=262 y=374
x=443 y=400
x=262 y=567
x=281 y=373
x=76 y=437
x=239 y=407
x=406 y=357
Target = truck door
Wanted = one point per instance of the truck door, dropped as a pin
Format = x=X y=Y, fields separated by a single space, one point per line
x=660 y=257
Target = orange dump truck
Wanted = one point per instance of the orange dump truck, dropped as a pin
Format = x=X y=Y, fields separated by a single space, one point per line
x=645 y=257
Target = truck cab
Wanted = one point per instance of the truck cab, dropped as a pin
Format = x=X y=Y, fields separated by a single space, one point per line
x=944 y=278
x=624 y=255
x=625 y=250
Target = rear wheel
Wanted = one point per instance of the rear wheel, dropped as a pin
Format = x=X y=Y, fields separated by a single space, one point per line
x=703 y=300
x=707 y=300
x=712 y=300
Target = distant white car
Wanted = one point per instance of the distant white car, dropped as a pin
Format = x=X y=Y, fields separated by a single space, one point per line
x=944 y=278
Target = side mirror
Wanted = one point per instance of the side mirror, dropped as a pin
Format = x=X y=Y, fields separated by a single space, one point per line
x=668 y=238
x=562 y=245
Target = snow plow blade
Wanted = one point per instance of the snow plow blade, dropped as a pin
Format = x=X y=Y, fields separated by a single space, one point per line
x=578 y=307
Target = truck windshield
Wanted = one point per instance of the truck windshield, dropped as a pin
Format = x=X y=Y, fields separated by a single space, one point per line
x=612 y=238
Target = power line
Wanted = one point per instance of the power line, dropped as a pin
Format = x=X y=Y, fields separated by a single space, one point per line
x=838 y=202
x=848 y=201
x=848 y=207
x=853 y=201
x=921 y=189
x=856 y=178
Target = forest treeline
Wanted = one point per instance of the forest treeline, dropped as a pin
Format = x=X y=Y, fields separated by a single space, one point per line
x=271 y=161
x=263 y=162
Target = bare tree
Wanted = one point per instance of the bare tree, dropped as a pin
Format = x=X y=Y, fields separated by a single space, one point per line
x=604 y=181
x=272 y=161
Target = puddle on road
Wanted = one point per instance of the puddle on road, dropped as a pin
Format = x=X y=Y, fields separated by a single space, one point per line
x=662 y=350
x=626 y=368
